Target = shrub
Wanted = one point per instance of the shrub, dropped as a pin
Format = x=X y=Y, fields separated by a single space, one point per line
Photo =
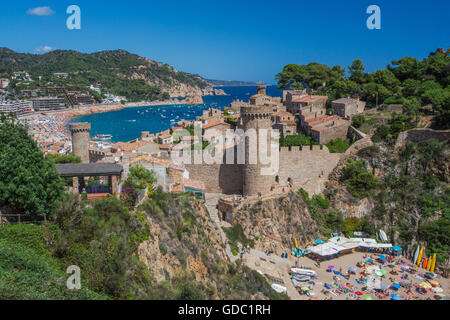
x=360 y=183
x=358 y=120
x=338 y=145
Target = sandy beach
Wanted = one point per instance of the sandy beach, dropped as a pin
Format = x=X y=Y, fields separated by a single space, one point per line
x=331 y=286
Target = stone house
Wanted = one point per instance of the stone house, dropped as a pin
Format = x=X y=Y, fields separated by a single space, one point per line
x=347 y=107
x=165 y=139
x=327 y=131
x=284 y=122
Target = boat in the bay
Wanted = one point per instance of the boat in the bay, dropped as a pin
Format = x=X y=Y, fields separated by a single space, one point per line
x=102 y=137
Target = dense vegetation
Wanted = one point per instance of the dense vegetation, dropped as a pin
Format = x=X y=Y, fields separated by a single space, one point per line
x=29 y=183
x=408 y=81
x=102 y=237
x=410 y=196
x=296 y=140
x=119 y=72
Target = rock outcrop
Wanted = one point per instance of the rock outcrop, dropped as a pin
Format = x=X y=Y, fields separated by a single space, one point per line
x=274 y=223
x=195 y=99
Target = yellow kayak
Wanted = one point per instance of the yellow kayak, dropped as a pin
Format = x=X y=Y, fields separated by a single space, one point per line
x=433 y=263
x=419 y=258
x=296 y=244
x=429 y=264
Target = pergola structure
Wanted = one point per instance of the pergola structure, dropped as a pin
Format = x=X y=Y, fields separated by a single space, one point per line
x=79 y=171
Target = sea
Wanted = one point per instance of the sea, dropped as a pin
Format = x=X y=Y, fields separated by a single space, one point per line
x=128 y=123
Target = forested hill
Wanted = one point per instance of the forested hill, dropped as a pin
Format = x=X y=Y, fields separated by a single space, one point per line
x=119 y=71
x=414 y=84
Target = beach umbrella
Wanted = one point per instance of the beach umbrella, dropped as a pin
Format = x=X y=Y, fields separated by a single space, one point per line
x=395 y=297
x=396 y=248
x=425 y=285
x=304 y=288
x=318 y=241
x=330 y=267
x=434 y=283
x=396 y=285
x=383 y=271
x=353 y=269
x=383 y=286
x=383 y=258
x=368 y=298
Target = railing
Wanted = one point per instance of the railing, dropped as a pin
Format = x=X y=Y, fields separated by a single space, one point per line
x=98 y=189
x=22 y=218
x=142 y=194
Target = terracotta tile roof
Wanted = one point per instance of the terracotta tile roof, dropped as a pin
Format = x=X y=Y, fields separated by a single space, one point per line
x=324 y=127
x=165 y=136
x=215 y=123
x=157 y=161
x=194 y=184
x=165 y=146
x=288 y=122
x=322 y=116
x=129 y=146
x=308 y=98
x=324 y=120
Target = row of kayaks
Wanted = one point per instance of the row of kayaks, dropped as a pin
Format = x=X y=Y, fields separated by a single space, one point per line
x=301 y=271
x=428 y=263
x=299 y=275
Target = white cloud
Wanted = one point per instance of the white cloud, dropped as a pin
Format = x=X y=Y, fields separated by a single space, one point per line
x=43 y=49
x=41 y=11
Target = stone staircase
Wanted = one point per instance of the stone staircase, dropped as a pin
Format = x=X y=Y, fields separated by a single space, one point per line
x=211 y=201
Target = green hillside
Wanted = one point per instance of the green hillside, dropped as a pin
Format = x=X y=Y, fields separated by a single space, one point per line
x=118 y=72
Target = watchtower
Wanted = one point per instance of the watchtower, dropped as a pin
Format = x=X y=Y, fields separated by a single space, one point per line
x=80 y=140
x=258 y=118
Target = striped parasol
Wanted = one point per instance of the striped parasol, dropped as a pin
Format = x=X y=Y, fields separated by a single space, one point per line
x=425 y=285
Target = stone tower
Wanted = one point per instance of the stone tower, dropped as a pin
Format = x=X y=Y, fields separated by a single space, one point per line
x=262 y=89
x=80 y=140
x=256 y=117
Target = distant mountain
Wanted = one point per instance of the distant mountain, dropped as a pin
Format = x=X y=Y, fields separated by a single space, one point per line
x=219 y=83
x=118 y=71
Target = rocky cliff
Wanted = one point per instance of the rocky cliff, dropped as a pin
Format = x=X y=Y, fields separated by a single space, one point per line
x=184 y=243
x=274 y=223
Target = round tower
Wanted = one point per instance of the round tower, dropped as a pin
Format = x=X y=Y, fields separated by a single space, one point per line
x=262 y=89
x=257 y=118
x=80 y=140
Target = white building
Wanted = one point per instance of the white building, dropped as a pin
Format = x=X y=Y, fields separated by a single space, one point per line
x=17 y=107
x=4 y=82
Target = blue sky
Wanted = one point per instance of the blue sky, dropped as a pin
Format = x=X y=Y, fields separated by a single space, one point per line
x=234 y=40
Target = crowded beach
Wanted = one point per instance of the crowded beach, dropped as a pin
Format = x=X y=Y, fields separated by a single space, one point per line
x=360 y=269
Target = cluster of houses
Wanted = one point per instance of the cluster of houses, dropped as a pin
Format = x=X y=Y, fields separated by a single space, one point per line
x=47 y=97
x=298 y=112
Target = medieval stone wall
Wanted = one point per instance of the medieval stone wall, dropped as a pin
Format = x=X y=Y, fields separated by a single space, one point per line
x=417 y=135
x=306 y=167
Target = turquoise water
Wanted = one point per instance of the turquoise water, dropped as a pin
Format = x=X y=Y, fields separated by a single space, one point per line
x=128 y=123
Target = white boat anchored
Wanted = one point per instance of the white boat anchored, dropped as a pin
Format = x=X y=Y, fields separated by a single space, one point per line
x=102 y=137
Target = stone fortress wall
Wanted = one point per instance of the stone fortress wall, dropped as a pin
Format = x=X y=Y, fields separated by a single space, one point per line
x=305 y=167
x=417 y=135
